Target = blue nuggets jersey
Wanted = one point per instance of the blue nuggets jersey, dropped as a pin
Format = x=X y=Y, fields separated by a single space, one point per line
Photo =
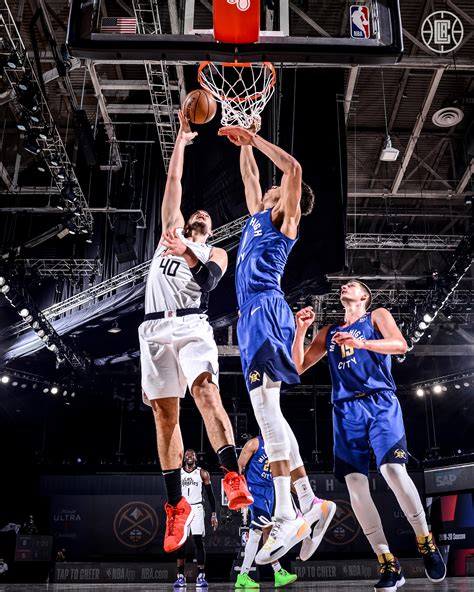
x=258 y=470
x=262 y=256
x=358 y=371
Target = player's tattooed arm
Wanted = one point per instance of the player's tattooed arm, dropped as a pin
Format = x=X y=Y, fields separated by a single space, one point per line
x=250 y=448
x=171 y=215
x=305 y=358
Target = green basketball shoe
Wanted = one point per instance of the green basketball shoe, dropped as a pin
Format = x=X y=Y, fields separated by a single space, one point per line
x=283 y=578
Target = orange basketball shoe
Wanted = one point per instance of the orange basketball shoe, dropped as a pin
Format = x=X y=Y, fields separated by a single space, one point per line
x=236 y=490
x=178 y=519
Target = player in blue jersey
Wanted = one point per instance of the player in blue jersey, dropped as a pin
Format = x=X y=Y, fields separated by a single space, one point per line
x=367 y=414
x=254 y=461
x=265 y=332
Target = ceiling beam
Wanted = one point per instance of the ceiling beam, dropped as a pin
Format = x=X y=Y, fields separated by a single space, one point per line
x=351 y=82
x=418 y=194
x=430 y=95
x=312 y=23
x=116 y=85
x=6 y=177
x=465 y=178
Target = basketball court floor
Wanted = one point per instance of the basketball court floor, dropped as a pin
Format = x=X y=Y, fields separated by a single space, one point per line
x=416 y=585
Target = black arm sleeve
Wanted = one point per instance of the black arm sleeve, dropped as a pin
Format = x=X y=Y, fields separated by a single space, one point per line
x=207 y=276
x=210 y=496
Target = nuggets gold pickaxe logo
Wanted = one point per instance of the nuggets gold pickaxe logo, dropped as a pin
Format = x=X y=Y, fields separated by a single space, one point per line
x=136 y=524
x=399 y=453
x=254 y=376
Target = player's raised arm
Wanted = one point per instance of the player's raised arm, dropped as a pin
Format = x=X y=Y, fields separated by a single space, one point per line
x=305 y=358
x=251 y=178
x=171 y=215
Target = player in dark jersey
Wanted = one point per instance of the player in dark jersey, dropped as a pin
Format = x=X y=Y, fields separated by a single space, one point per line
x=265 y=332
x=254 y=461
x=367 y=414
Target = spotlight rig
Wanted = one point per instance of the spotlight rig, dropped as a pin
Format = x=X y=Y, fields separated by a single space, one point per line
x=34 y=119
x=26 y=308
x=436 y=299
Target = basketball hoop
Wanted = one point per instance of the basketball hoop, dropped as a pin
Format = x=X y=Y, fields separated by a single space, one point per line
x=243 y=89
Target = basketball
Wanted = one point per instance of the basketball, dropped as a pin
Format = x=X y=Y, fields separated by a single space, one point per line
x=199 y=106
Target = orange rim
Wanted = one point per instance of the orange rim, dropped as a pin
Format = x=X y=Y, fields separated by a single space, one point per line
x=268 y=65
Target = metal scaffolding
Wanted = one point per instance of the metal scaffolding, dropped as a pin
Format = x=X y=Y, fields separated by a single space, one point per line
x=63 y=267
x=403 y=242
x=51 y=144
x=164 y=91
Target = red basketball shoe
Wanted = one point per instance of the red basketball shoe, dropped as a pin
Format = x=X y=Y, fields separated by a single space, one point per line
x=236 y=490
x=178 y=519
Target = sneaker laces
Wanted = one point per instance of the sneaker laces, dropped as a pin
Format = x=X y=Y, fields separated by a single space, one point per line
x=172 y=512
x=427 y=547
x=234 y=482
x=388 y=565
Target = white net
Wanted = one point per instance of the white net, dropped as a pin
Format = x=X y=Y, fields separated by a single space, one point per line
x=243 y=90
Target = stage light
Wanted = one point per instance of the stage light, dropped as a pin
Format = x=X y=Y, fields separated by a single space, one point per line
x=46 y=390
x=437 y=389
x=468 y=200
x=23 y=385
x=423 y=325
x=14 y=383
x=114 y=328
x=427 y=318
x=54 y=390
x=41 y=168
x=5 y=289
x=466 y=384
x=73 y=394
x=45 y=338
x=420 y=392
x=5 y=379
x=29 y=318
x=24 y=312
x=457 y=386
x=3 y=280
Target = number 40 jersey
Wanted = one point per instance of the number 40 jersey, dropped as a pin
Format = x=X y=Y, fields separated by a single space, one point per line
x=170 y=284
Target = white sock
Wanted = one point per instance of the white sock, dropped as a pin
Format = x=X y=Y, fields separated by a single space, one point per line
x=284 y=508
x=407 y=496
x=366 y=512
x=276 y=566
x=305 y=493
x=251 y=549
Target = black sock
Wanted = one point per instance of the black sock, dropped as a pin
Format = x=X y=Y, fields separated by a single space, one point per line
x=228 y=458
x=173 y=485
x=181 y=569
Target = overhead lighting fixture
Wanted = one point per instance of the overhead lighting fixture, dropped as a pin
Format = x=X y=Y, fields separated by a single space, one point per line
x=5 y=379
x=24 y=312
x=420 y=392
x=437 y=389
x=389 y=154
x=427 y=318
x=54 y=390
x=468 y=200
x=114 y=328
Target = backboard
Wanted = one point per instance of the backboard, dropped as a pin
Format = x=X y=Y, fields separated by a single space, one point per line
x=293 y=33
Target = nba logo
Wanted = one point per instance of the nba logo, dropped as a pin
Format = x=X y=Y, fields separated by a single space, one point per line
x=360 y=24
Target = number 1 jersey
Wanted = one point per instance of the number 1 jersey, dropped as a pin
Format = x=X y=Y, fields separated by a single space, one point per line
x=170 y=284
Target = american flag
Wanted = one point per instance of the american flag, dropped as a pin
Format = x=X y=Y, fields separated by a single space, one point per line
x=121 y=24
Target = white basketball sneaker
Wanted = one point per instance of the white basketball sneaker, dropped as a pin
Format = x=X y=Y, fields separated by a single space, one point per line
x=318 y=517
x=284 y=535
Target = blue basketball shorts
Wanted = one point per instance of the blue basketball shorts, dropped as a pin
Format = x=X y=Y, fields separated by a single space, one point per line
x=373 y=421
x=265 y=331
x=262 y=507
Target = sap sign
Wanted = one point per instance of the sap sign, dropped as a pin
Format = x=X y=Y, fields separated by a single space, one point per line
x=446 y=480
x=449 y=479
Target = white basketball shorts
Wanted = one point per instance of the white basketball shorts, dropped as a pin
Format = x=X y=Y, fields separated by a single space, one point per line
x=173 y=353
x=197 y=523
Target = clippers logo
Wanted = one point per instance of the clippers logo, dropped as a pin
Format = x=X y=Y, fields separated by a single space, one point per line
x=242 y=5
x=360 y=24
x=254 y=376
x=442 y=31
x=399 y=453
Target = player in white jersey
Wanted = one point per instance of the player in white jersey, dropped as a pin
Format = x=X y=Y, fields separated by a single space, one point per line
x=177 y=347
x=193 y=478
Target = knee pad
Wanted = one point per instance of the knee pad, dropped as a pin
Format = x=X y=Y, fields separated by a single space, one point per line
x=266 y=406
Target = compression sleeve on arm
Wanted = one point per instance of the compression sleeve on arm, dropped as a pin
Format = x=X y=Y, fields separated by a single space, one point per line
x=210 y=496
x=206 y=276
